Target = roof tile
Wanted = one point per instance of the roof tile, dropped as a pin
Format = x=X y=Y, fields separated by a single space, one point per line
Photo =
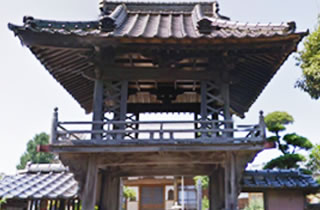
x=162 y=23
x=278 y=179
x=61 y=184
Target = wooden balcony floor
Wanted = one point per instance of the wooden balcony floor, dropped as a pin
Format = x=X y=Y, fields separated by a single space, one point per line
x=114 y=146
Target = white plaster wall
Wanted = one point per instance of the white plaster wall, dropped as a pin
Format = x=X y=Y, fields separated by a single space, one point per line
x=132 y=205
x=169 y=205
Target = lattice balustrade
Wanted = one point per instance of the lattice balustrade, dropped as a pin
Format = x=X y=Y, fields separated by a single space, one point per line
x=132 y=125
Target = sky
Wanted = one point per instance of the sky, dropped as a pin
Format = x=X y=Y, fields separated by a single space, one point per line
x=28 y=94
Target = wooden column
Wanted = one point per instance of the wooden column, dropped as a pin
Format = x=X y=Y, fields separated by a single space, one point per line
x=111 y=188
x=203 y=108
x=54 y=127
x=120 y=194
x=123 y=100
x=137 y=125
x=89 y=192
x=97 y=108
x=216 y=189
x=62 y=205
x=123 y=106
x=175 y=190
x=262 y=125
x=226 y=107
x=231 y=182
x=199 y=195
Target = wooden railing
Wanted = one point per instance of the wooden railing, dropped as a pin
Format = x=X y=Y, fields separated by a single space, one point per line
x=155 y=130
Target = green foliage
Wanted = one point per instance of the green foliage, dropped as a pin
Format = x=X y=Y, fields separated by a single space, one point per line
x=205 y=203
x=204 y=181
x=285 y=161
x=255 y=204
x=80 y=208
x=309 y=61
x=289 y=144
x=2 y=201
x=32 y=155
x=314 y=159
x=276 y=121
x=297 y=141
x=204 y=185
x=129 y=194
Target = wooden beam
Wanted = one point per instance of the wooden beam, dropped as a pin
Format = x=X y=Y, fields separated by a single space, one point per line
x=168 y=158
x=113 y=73
x=114 y=147
x=176 y=107
x=88 y=196
x=163 y=170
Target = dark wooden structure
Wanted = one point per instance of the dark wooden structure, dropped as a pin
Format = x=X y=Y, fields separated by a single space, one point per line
x=159 y=56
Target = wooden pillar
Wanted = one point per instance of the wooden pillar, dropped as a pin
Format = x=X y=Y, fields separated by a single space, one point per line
x=231 y=182
x=262 y=125
x=54 y=127
x=123 y=106
x=226 y=98
x=175 y=190
x=89 y=192
x=227 y=183
x=111 y=197
x=43 y=204
x=123 y=100
x=199 y=194
x=216 y=189
x=62 y=205
x=120 y=194
x=203 y=108
x=136 y=135
x=97 y=108
x=226 y=107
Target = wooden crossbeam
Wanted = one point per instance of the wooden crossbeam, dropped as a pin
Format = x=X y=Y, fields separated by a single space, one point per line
x=113 y=73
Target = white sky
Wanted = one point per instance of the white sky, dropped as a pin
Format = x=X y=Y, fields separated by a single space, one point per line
x=28 y=93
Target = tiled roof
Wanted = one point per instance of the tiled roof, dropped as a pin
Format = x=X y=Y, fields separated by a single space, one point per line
x=54 y=181
x=40 y=181
x=278 y=179
x=66 y=48
x=164 y=23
